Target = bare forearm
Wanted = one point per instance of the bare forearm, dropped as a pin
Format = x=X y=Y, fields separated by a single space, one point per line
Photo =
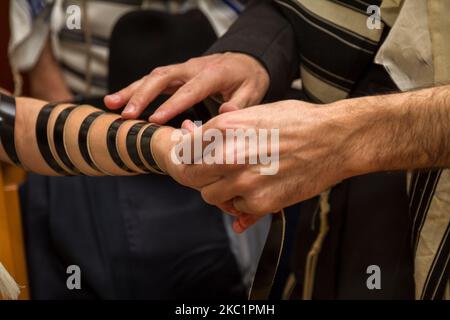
x=70 y=140
x=46 y=79
x=394 y=132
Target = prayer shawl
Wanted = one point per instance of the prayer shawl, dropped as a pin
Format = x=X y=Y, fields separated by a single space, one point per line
x=413 y=66
x=415 y=53
x=83 y=52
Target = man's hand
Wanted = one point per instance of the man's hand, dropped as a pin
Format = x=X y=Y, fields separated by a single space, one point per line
x=312 y=157
x=318 y=147
x=322 y=145
x=239 y=79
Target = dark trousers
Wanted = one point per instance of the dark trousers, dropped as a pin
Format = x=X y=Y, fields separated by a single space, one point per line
x=139 y=237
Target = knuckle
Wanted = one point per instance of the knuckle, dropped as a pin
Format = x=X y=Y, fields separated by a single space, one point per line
x=193 y=60
x=251 y=207
x=258 y=203
x=215 y=67
x=138 y=99
x=160 y=72
x=207 y=196
x=214 y=122
x=189 y=90
x=244 y=184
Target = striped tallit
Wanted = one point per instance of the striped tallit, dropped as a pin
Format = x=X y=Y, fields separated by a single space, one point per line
x=336 y=47
x=340 y=26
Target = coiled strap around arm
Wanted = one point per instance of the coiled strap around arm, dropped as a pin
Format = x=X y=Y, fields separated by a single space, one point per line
x=146 y=149
x=7 y=123
x=42 y=138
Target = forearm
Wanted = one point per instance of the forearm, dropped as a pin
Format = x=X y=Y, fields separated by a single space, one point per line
x=68 y=140
x=46 y=79
x=396 y=132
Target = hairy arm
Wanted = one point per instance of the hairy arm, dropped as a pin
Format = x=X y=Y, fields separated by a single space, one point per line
x=63 y=139
x=319 y=146
x=394 y=132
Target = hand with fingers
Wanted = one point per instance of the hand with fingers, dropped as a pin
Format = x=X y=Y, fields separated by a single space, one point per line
x=308 y=161
x=240 y=80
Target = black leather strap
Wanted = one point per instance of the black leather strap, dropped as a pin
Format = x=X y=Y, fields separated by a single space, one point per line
x=132 y=145
x=146 y=138
x=42 y=138
x=269 y=259
x=83 y=138
x=7 y=125
x=58 y=139
x=111 y=137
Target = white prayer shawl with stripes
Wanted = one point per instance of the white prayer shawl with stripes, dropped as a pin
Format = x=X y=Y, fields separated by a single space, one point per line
x=428 y=64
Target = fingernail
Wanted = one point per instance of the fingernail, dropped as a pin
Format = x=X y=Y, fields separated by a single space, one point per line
x=156 y=116
x=129 y=109
x=237 y=227
x=114 y=97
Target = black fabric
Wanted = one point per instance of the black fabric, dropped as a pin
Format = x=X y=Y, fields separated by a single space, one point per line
x=263 y=33
x=316 y=38
x=142 y=237
x=184 y=36
x=369 y=225
x=133 y=238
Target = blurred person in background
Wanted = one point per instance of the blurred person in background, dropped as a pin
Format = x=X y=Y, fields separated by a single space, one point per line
x=145 y=238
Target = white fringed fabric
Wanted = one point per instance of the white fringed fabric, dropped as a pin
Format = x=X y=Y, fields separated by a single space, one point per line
x=9 y=289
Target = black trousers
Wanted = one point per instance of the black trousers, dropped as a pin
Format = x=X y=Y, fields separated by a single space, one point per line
x=139 y=237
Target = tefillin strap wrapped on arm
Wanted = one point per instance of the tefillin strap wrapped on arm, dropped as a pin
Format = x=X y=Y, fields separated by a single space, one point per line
x=7 y=125
x=97 y=148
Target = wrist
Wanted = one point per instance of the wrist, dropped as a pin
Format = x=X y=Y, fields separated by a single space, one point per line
x=359 y=118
